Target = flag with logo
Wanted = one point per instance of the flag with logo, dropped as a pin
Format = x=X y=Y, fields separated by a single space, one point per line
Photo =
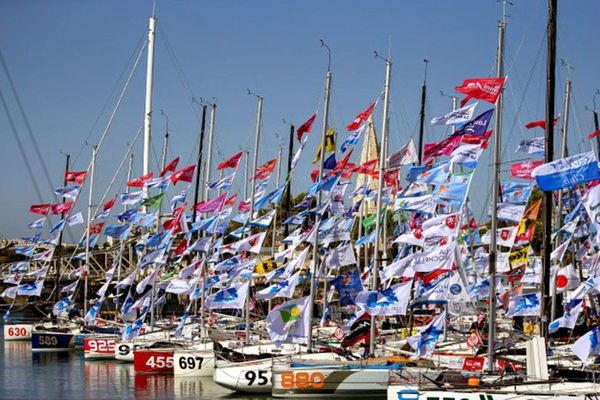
x=289 y=322
x=456 y=117
x=233 y=297
x=567 y=172
x=390 y=301
x=424 y=342
x=486 y=89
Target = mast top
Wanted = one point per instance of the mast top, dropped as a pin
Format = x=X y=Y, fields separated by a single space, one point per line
x=323 y=44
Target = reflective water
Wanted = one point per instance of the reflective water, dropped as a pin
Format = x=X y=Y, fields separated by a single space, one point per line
x=26 y=375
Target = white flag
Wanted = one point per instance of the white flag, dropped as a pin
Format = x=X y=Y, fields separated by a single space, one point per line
x=283 y=288
x=75 y=219
x=70 y=288
x=588 y=344
x=40 y=273
x=504 y=236
x=150 y=279
x=424 y=342
x=233 y=297
x=591 y=201
x=441 y=257
x=390 y=301
x=396 y=268
x=424 y=203
x=289 y=322
x=181 y=286
x=252 y=244
x=442 y=226
x=568 y=319
x=456 y=117
x=406 y=155
x=340 y=257
x=31 y=289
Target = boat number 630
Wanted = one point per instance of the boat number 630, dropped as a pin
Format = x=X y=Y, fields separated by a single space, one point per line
x=302 y=380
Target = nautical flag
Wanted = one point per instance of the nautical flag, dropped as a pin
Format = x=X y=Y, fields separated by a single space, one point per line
x=348 y=285
x=117 y=231
x=523 y=170
x=516 y=192
x=567 y=172
x=442 y=148
x=10 y=292
x=540 y=124
x=171 y=166
x=504 y=236
x=567 y=279
x=423 y=203
x=96 y=229
x=61 y=306
x=62 y=208
x=390 y=301
x=406 y=155
x=26 y=251
x=42 y=209
x=13 y=279
x=75 y=219
x=568 y=319
x=185 y=174
x=157 y=183
x=155 y=257
x=75 y=176
x=94 y=311
x=534 y=146
x=131 y=331
x=439 y=258
x=435 y=175
x=594 y=134
x=477 y=126
x=178 y=198
x=20 y=267
x=527 y=305
x=251 y=244
x=424 y=342
x=305 y=127
x=232 y=162
x=361 y=117
x=264 y=171
x=265 y=221
x=39 y=273
x=340 y=257
x=132 y=198
x=432 y=292
x=329 y=163
x=70 y=288
x=466 y=155
x=31 y=289
x=284 y=288
x=140 y=180
x=201 y=245
x=57 y=226
x=289 y=322
x=144 y=219
x=182 y=320
x=150 y=279
x=486 y=89
x=329 y=145
x=35 y=238
x=224 y=183
x=181 y=286
x=587 y=345
x=510 y=212
x=233 y=297
x=68 y=192
x=591 y=202
x=353 y=138
x=128 y=215
x=456 y=117
x=37 y=224
x=214 y=205
x=370 y=238
x=154 y=201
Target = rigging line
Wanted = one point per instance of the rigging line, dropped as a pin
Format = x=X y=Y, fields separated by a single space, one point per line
x=110 y=96
x=26 y=121
x=21 y=149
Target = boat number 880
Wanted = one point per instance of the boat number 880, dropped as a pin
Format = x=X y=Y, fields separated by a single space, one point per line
x=302 y=380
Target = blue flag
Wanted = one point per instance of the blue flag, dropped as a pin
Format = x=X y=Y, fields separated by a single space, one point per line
x=348 y=286
x=117 y=231
x=26 y=251
x=567 y=172
x=476 y=126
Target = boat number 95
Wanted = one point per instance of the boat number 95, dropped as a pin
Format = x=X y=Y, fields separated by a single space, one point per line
x=48 y=340
x=302 y=380
x=251 y=377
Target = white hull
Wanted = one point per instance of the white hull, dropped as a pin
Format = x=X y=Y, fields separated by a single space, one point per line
x=194 y=363
x=17 y=332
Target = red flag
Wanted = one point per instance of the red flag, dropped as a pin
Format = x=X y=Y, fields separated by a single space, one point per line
x=478 y=139
x=540 y=124
x=368 y=167
x=180 y=249
x=264 y=170
x=360 y=118
x=526 y=236
x=342 y=166
x=348 y=170
x=523 y=169
x=42 y=209
x=594 y=134
x=172 y=166
x=185 y=174
x=244 y=206
x=75 y=176
x=305 y=127
x=314 y=175
x=445 y=147
x=109 y=204
x=233 y=162
x=231 y=201
x=140 y=180
x=96 y=229
x=486 y=89
x=62 y=208
x=174 y=224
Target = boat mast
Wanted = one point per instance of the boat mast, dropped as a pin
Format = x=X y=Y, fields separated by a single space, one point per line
x=211 y=135
x=596 y=125
x=199 y=163
x=86 y=269
x=548 y=157
x=382 y=156
x=253 y=190
x=276 y=207
x=422 y=113
x=163 y=162
x=288 y=191
x=493 y=257
x=60 y=236
x=148 y=108
x=315 y=253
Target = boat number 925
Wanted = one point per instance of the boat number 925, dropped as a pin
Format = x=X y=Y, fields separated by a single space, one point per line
x=190 y=362
x=260 y=377
x=302 y=380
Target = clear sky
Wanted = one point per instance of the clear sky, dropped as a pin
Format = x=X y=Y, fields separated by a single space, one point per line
x=67 y=56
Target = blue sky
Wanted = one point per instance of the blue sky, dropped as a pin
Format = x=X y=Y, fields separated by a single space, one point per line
x=66 y=57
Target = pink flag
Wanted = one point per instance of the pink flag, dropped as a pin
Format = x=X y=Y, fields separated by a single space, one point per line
x=443 y=148
x=523 y=169
x=214 y=205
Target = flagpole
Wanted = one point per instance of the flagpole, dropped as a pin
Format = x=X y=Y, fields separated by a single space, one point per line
x=60 y=237
x=495 y=193
x=275 y=206
x=211 y=134
x=382 y=156
x=164 y=160
x=247 y=158
x=86 y=269
x=148 y=104
x=548 y=157
x=315 y=253
x=288 y=192
x=422 y=112
x=199 y=163
x=253 y=190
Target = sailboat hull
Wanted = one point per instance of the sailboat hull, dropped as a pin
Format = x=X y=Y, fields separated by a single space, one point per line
x=52 y=341
x=18 y=332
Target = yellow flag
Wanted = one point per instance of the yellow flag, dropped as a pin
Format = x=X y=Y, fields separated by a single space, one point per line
x=266 y=266
x=329 y=145
x=518 y=257
x=522 y=227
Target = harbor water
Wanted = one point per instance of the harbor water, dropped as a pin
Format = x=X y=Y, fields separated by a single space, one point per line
x=27 y=375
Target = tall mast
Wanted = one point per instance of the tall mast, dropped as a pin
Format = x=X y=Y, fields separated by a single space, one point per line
x=211 y=135
x=275 y=207
x=246 y=161
x=422 y=112
x=199 y=163
x=163 y=161
x=382 y=156
x=596 y=125
x=148 y=108
x=493 y=257
x=86 y=270
x=60 y=237
x=288 y=190
x=315 y=253
x=253 y=190
x=548 y=157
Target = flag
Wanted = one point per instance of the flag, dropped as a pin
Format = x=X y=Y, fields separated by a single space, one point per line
x=31 y=289
x=57 y=226
x=305 y=127
x=424 y=342
x=353 y=138
x=329 y=163
x=527 y=305
x=406 y=155
x=37 y=224
x=11 y=293
x=567 y=279
x=251 y=244
x=68 y=192
x=26 y=251
x=477 y=126
x=534 y=146
x=140 y=180
x=390 y=301
x=154 y=201
x=523 y=170
x=182 y=320
x=289 y=322
x=263 y=171
x=157 y=183
x=368 y=167
x=171 y=166
x=423 y=203
x=75 y=176
x=181 y=286
x=486 y=89
x=96 y=229
x=442 y=148
x=185 y=174
x=568 y=319
x=70 y=288
x=361 y=117
x=214 y=205
x=443 y=225
x=456 y=117
x=117 y=231
x=132 y=198
x=233 y=297
x=231 y=201
x=591 y=202
x=439 y=258
x=61 y=306
x=348 y=285
x=232 y=162
x=284 y=288
x=510 y=212
x=504 y=237
x=13 y=279
x=42 y=209
x=131 y=331
x=340 y=256
x=567 y=172
x=94 y=311
x=264 y=221
x=594 y=134
x=540 y=124
x=224 y=183
x=150 y=279
x=154 y=257
x=532 y=212
x=588 y=344
x=516 y=192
